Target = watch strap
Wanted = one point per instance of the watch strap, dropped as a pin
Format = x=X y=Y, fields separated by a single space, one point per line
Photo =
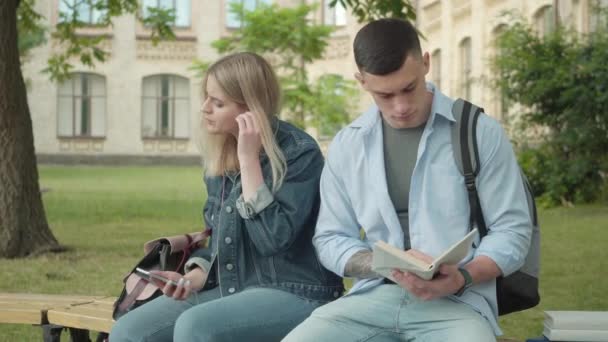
x=468 y=281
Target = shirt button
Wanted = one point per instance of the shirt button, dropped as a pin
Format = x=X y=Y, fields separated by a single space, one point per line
x=231 y=290
x=336 y=294
x=229 y=267
x=228 y=240
x=228 y=209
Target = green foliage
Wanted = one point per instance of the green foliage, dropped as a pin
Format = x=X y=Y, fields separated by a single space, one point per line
x=335 y=100
x=286 y=37
x=31 y=33
x=68 y=31
x=368 y=10
x=561 y=81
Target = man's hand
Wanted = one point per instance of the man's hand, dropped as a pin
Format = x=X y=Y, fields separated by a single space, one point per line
x=191 y=281
x=446 y=282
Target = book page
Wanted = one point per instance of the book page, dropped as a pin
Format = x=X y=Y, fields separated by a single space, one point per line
x=456 y=252
x=387 y=257
x=577 y=320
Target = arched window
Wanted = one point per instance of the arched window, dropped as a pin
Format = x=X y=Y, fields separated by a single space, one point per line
x=165 y=106
x=436 y=68
x=81 y=106
x=232 y=20
x=334 y=16
x=544 y=20
x=466 y=67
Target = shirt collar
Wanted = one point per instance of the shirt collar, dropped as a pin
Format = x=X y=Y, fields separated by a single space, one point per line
x=442 y=106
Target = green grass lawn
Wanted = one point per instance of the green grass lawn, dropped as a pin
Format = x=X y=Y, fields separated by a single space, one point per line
x=105 y=214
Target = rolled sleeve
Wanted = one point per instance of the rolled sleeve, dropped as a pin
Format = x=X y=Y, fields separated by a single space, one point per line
x=261 y=199
x=337 y=236
x=507 y=216
x=197 y=262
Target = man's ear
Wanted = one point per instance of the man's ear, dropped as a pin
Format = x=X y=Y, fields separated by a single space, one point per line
x=359 y=77
x=426 y=61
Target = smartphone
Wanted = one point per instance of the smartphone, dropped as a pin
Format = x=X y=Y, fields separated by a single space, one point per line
x=149 y=276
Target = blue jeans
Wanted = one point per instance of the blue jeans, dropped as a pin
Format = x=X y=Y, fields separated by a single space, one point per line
x=390 y=313
x=255 y=314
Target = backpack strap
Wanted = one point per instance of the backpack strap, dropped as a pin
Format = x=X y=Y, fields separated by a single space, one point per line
x=466 y=156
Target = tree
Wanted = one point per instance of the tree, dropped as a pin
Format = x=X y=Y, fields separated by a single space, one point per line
x=368 y=10
x=561 y=82
x=23 y=225
x=290 y=41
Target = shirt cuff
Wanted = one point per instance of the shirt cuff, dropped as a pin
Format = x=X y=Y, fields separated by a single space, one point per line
x=197 y=262
x=260 y=200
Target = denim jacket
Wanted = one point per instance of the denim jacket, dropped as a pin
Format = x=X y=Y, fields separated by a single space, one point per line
x=267 y=241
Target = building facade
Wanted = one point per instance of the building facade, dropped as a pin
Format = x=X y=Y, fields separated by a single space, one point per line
x=144 y=101
x=460 y=36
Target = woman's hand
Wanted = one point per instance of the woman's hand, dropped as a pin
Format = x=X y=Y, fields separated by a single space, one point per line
x=191 y=281
x=248 y=151
x=249 y=140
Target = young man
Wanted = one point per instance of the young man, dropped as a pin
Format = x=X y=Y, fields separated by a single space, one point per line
x=392 y=172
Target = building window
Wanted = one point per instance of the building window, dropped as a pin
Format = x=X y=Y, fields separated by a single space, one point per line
x=436 y=68
x=466 y=67
x=232 y=20
x=181 y=10
x=81 y=106
x=544 y=20
x=80 y=10
x=165 y=107
x=334 y=16
x=597 y=17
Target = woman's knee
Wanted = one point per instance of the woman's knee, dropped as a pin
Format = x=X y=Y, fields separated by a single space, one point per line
x=194 y=325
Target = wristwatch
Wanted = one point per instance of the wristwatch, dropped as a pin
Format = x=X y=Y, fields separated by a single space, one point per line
x=468 y=281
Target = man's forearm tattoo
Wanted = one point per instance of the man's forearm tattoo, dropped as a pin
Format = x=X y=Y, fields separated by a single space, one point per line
x=360 y=265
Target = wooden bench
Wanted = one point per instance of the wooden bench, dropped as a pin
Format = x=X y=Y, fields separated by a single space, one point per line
x=53 y=313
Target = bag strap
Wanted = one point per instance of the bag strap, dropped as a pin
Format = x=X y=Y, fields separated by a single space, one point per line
x=132 y=296
x=466 y=156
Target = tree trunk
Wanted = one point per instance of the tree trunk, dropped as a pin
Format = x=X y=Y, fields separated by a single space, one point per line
x=23 y=226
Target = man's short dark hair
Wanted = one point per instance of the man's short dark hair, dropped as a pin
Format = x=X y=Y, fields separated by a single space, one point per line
x=382 y=46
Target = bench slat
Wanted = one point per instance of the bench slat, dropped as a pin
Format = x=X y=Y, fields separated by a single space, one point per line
x=92 y=316
x=77 y=311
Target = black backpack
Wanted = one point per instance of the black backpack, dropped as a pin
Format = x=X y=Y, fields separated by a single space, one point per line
x=518 y=291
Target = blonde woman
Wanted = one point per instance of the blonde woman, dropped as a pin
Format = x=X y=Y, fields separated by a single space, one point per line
x=259 y=277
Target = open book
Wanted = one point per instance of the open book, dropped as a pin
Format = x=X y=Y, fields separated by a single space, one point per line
x=387 y=257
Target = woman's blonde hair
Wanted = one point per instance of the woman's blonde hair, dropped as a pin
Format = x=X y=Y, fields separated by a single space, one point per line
x=249 y=80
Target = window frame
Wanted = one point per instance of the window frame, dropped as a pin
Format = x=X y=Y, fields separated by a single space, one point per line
x=174 y=6
x=332 y=11
x=159 y=99
x=84 y=98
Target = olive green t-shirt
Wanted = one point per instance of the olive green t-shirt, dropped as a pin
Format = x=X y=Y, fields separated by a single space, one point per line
x=400 y=151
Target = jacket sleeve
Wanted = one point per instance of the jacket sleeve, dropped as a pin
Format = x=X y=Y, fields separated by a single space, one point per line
x=201 y=257
x=503 y=200
x=337 y=235
x=288 y=211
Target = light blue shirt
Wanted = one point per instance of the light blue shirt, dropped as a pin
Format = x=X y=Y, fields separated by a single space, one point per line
x=354 y=195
